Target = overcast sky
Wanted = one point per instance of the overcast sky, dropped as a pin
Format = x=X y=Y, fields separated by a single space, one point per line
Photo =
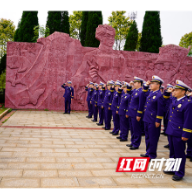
x=174 y=23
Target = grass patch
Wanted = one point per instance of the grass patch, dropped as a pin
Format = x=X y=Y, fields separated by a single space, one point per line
x=5 y=120
x=2 y=109
x=46 y=109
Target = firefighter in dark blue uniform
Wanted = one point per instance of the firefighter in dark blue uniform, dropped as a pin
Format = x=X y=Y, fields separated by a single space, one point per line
x=121 y=110
x=89 y=89
x=94 y=101
x=179 y=129
x=68 y=95
x=115 y=101
x=152 y=115
x=101 y=95
x=135 y=115
x=166 y=113
x=107 y=105
x=189 y=141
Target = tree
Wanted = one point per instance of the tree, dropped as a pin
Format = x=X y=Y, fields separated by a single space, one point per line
x=83 y=27
x=138 y=42
x=151 y=38
x=25 y=32
x=132 y=38
x=54 y=21
x=65 y=22
x=3 y=63
x=121 y=25
x=16 y=35
x=2 y=79
x=94 y=19
x=186 y=41
x=75 y=24
x=40 y=31
x=7 y=30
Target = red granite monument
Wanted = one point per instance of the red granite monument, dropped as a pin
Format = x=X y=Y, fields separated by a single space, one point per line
x=36 y=71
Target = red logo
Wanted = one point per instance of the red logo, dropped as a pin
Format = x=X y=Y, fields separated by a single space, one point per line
x=132 y=164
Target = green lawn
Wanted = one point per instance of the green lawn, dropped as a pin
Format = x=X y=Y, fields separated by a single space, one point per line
x=2 y=110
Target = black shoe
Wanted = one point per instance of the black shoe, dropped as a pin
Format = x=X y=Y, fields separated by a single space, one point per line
x=94 y=120
x=118 y=137
x=144 y=155
x=176 y=178
x=89 y=117
x=103 y=127
x=187 y=156
x=166 y=146
x=133 y=148
x=111 y=132
x=129 y=145
x=99 y=124
x=107 y=129
x=169 y=172
x=191 y=159
x=122 y=140
x=64 y=113
x=115 y=133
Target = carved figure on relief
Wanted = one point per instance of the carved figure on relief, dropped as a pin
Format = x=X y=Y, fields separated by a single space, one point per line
x=101 y=64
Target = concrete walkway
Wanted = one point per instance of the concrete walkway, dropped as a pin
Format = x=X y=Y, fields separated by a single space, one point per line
x=59 y=157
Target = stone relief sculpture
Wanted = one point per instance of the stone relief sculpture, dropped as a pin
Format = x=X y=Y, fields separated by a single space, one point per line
x=36 y=71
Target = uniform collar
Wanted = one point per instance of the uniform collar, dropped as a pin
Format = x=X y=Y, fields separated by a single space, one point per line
x=155 y=91
x=181 y=98
x=138 y=89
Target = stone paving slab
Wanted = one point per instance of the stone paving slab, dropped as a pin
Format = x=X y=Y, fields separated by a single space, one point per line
x=49 y=119
x=72 y=158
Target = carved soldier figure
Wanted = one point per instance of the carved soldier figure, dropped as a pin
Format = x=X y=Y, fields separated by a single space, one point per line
x=103 y=60
x=168 y=55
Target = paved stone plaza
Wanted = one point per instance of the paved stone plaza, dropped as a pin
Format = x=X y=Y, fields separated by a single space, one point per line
x=51 y=149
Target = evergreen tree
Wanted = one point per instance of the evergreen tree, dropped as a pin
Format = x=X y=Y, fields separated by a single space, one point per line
x=94 y=19
x=54 y=21
x=65 y=22
x=132 y=37
x=25 y=32
x=151 y=38
x=83 y=27
x=16 y=36
x=3 y=64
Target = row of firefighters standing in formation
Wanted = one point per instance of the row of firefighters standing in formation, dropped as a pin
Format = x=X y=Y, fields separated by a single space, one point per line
x=140 y=106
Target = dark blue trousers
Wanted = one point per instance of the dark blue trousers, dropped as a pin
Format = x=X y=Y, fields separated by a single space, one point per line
x=189 y=147
x=108 y=116
x=142 y=126
x=177 y=150
x=151 y=139
x=95 y=112
x=116 y=122
x=124 y=127
x=90 y=110
x=136 y=131
x=165 y=122
x=101 y=115
x=67 y=106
